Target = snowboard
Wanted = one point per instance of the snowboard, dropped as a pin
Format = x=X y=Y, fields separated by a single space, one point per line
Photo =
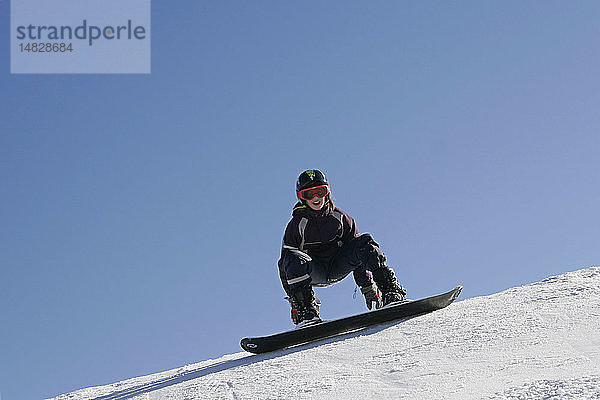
x=334 y=327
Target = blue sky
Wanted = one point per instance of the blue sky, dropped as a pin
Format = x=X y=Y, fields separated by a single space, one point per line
x=142 y=215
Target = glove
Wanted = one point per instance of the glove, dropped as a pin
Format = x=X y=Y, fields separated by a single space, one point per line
x=372 y=295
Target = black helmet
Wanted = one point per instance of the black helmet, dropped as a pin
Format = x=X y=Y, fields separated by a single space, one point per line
x=310 y=178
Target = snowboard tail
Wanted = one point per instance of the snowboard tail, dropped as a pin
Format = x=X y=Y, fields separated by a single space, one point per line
x=326 y=329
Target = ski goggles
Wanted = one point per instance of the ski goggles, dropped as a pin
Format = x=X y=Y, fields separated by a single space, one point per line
x=308 y=194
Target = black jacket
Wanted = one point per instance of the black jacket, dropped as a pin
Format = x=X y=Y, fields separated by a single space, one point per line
x=318 y=233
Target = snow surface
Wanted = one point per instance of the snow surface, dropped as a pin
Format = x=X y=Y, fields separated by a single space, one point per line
x=536 y=341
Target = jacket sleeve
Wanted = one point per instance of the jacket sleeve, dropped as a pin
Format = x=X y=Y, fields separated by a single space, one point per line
x=350 y=228
x=291 y=237
x=291 y=240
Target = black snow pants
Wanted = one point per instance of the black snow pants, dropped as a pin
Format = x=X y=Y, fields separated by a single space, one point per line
x=359 y=256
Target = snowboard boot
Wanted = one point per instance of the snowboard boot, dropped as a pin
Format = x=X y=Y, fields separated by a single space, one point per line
x=386 y=281
x=305 y=305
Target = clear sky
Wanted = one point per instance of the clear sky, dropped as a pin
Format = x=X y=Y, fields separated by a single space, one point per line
x=141 y=215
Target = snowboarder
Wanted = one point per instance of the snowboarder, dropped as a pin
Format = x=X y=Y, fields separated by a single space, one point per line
x=322 y=245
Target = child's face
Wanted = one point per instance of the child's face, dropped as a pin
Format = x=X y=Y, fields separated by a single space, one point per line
x=316 y=203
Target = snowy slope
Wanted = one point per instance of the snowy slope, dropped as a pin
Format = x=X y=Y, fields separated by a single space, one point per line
x=536 y=341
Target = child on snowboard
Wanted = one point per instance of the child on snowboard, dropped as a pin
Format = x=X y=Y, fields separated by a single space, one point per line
x=321 y=246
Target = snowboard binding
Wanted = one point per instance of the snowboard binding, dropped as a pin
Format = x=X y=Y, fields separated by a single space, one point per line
x=305 y=306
